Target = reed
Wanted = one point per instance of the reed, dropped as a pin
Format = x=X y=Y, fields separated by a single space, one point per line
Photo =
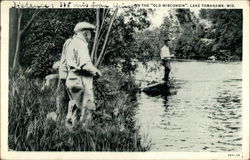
x=113 y=127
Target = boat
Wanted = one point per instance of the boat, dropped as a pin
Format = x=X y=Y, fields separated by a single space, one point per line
x=157 y=88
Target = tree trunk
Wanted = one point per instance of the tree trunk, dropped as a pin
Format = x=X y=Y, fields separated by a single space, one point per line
x=95 y=47
x=100 y=35
x=13 y=23
x=98 y=62
x=16 y=57
x=19 y=35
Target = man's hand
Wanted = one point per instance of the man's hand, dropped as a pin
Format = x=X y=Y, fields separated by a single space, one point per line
x=172 y=55
x=98 y=73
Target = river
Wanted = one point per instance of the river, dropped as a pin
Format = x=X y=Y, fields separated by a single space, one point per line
x=203 y=112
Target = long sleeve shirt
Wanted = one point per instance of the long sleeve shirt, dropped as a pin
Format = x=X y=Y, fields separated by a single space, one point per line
x=80 y=74
x=77 y=56
x=63 y=71
x=165 y=53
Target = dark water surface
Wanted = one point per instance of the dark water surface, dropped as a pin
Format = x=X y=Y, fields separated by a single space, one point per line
x=203 y=113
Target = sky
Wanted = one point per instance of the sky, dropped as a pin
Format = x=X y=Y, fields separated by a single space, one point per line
x=159 y=14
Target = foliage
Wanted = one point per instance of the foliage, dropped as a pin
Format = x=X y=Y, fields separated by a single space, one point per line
x=192 y=37
x=43 y=41
x=123 y=44
x=149 y=42
x=113 y=127
x=148 y=45
x=226 y=30
x=223 y=39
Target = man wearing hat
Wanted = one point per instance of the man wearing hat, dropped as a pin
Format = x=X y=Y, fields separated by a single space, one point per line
x=79 y=81
x=165 y=57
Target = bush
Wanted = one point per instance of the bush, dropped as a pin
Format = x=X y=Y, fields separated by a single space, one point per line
x=42 y=43
x=113 y=130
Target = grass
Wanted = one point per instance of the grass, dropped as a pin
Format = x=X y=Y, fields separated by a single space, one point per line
x=113 y=126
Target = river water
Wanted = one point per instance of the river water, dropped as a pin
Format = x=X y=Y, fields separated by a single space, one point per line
x=203 y=112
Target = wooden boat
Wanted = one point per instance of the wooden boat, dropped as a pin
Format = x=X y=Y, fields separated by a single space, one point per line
x=158 y=88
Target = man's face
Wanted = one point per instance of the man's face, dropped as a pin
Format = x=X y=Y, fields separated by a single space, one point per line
x=166 y=43
x=88 y=35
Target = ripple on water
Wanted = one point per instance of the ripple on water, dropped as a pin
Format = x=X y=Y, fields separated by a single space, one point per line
x=204 y=114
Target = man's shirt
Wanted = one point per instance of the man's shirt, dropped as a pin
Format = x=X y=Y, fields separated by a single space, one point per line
x=79 y=85
x=165 y=53
x=63 y=71
x=77 y=56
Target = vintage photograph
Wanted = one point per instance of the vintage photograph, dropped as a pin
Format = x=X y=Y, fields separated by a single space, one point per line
x=125 y=79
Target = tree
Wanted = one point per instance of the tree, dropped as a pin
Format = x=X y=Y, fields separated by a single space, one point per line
x=19 y=31
x=123 y=46
x=226 y=29
x=42 y=44
x=113 y=43
x=102 y=53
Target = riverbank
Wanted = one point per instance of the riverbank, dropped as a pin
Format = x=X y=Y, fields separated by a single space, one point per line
x=113 y=127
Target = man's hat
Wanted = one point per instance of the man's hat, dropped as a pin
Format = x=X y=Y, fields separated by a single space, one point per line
x=84 y=26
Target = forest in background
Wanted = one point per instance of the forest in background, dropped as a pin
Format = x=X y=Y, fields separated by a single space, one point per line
x=213 y=33
x=41 y=42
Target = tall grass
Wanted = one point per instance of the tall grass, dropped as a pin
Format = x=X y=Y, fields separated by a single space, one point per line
x=113 y=127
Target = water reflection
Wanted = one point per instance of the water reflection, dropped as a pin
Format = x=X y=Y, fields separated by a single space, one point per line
x=201 y=113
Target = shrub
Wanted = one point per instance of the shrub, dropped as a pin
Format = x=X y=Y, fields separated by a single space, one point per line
x=113 y=126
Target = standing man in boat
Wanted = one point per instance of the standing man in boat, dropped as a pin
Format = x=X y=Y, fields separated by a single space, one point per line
x=166 y=57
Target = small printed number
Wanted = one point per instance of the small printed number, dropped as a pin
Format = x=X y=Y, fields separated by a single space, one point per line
x=233 y=155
